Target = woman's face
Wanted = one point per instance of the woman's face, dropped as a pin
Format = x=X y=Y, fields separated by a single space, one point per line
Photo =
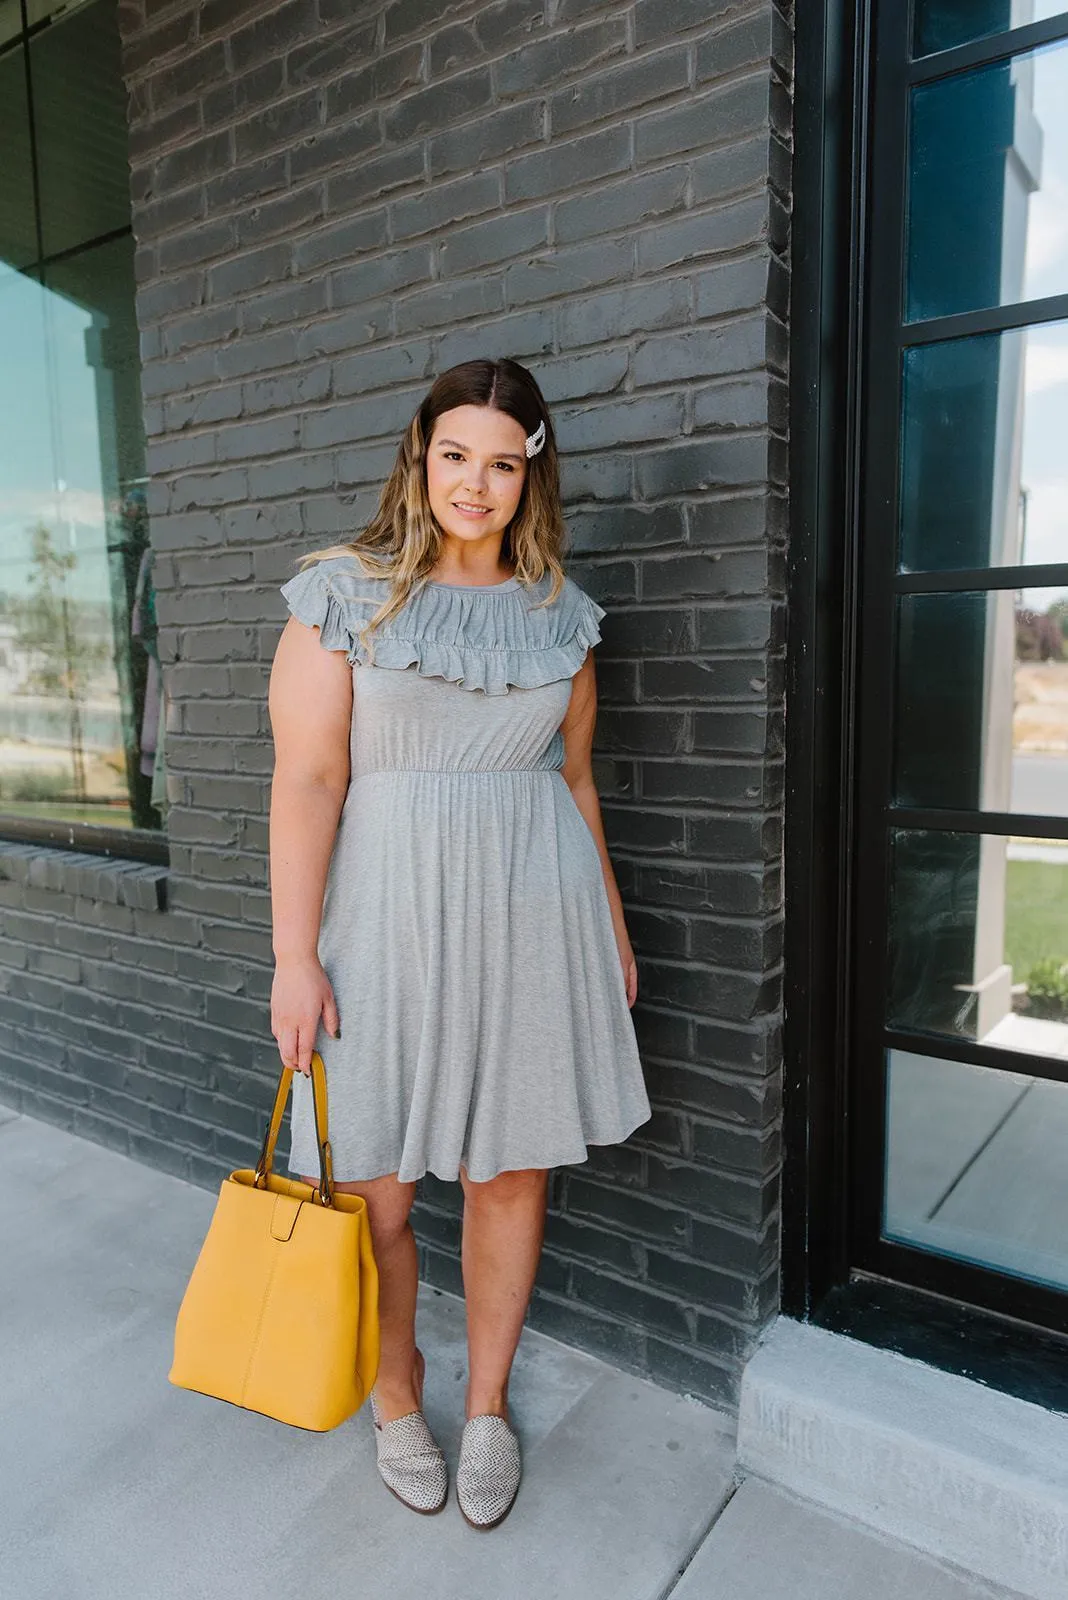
x=476 y=466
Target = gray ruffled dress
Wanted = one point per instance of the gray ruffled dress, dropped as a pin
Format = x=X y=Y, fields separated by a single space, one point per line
x=466 y=928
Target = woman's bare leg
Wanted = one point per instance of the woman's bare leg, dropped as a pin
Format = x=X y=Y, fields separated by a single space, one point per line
x=399 y=1385
x=503 y=1230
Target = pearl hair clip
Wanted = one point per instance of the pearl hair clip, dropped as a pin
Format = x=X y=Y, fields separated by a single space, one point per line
x=535 y=441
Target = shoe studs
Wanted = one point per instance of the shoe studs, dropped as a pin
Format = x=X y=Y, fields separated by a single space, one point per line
x=489 y=1471
x=410 y=1461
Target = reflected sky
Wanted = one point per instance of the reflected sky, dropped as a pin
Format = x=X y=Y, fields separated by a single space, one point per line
x=984 y=472
x=1009 y=241
x=50 y=466
x=1046 y=259
x=1045 y=460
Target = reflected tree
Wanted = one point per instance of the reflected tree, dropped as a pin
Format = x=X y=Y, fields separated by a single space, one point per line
x=62 y=655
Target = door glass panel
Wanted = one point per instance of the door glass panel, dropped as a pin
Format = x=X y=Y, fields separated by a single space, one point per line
x=982 y=701
x=940 y=24
x=984 y=474
x=988 y=176
x=978 y=941
x=975 y=1165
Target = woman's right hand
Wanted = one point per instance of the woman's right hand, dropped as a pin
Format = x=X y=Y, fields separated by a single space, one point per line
x=301 y=993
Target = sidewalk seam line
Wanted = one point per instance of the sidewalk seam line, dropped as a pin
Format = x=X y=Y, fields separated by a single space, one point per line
x=737 y=1479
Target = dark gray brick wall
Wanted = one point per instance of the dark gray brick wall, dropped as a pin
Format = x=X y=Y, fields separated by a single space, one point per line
x=333 y=201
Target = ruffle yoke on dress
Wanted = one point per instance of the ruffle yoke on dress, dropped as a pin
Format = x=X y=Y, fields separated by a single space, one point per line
x=485 y=636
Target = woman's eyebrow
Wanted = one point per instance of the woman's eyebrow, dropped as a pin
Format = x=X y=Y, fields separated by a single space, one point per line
x=503 y=455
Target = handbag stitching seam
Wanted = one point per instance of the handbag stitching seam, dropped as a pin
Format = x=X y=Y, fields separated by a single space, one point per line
x=259 y=1328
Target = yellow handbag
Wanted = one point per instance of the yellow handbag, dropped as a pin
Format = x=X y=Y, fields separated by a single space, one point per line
x=280 y=1314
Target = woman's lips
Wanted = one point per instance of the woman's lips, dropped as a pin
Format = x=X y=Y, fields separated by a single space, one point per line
x=465 y=511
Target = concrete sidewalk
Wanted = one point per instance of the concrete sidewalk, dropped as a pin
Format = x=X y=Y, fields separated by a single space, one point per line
x=116 y=1484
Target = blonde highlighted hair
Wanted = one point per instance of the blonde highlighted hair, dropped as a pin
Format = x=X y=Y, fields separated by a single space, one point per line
x=402 y=541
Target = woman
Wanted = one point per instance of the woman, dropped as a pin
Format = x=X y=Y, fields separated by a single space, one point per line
x=448 y=931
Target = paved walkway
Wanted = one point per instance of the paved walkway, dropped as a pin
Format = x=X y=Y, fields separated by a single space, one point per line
x=115 y=1484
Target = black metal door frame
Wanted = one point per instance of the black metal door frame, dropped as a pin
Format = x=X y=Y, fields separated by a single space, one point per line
x=827 y=262
x=847 y=265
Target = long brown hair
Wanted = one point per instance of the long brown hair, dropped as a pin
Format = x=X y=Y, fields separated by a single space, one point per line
x=402 y=541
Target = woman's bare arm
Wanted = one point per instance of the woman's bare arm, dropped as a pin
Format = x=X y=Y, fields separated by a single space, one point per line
x=577 y=729
x=310 y=706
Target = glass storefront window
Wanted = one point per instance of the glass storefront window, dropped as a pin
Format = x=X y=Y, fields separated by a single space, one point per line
x=81 y=702
x=988 y=176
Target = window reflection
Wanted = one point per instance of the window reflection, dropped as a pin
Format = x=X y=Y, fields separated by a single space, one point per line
x=975 y=1165
x=77 y=83
x=81 y=700
x=18 y=224
x=978 y=939
x=984 y=475
x=988 y=181
x=940 y=24
x=982 y=701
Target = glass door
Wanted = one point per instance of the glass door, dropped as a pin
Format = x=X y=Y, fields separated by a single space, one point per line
x=959 y=1044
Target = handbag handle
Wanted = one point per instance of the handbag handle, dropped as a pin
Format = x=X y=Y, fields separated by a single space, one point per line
x=270 y=1138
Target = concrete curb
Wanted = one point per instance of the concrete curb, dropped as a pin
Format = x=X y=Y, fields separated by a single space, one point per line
x=941 y=1463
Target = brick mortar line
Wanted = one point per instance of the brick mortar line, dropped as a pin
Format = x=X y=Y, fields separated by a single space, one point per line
x=601 y=401
x=603 y=67
x=283 y=457
x=657 y=859
x=749 y=250
x=708 y=88
x=699 y=604
x=142 y=1063
x=417 y=186
x=600 y=1183
x=633 y=552
x=615 y=1320
x=560 y=32
x=639 y=449
x=618 y=1276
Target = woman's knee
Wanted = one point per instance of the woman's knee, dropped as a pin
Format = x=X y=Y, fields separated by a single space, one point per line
x=522 y=1187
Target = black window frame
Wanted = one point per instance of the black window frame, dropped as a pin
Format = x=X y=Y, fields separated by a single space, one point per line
x=847 y=261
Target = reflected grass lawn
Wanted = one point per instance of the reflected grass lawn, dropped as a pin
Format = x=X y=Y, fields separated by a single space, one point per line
x=1036 y=914
x=103 y=816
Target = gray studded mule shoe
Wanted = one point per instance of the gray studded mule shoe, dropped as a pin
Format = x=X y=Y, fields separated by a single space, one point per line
x=410 y=1461
x=489 y=1470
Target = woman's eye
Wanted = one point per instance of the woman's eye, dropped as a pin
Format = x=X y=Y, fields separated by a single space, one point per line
x=455 y=455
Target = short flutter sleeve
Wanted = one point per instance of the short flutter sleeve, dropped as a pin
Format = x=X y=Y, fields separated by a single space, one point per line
x=491 y=639
x=331 y=596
